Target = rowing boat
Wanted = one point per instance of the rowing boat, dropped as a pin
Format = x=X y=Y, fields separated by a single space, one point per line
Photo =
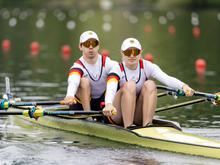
x=163 y=135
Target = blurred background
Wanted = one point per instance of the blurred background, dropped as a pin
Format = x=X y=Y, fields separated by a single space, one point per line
x=39 y=43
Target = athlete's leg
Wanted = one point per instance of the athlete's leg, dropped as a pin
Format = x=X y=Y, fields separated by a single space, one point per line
x=117 y=119
x=138 y=114
x=124 y=102
x=84 y=93
x=146 y=103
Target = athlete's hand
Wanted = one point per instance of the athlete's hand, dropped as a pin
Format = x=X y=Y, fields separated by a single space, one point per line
x=69 y=100
x=109 y=110
x=187 y=90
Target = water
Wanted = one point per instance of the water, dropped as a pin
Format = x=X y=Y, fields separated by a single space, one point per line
x=26 y=143
x=44 y=77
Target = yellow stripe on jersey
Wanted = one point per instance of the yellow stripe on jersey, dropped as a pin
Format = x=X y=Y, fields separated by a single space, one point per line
x=76 y=71
x=112 y=79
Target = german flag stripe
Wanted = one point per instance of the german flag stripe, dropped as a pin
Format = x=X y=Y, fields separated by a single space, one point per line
x=76 y=71
x=112 y=80
x=113 y=76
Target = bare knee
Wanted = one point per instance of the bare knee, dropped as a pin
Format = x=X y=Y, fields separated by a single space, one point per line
x=129 y=87
x=149 y=86
x=84 y=83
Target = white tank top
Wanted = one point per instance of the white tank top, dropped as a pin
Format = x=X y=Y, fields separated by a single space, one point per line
x=144 y=71
x=138 y=75
x=96 y=73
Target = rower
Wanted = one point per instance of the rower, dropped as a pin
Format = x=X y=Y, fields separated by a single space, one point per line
x=88 y=75
x=136 y=99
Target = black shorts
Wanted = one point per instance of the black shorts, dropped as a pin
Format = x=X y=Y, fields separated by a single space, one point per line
x=96 y=104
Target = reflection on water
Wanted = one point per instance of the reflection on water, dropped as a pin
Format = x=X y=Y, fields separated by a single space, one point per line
x=25 y=143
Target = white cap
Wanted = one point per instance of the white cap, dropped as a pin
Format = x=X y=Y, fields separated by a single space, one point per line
x=130 y=42
x=88 y=35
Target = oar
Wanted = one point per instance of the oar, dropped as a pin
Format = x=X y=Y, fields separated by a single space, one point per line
x=37 y=103
x=215 y=98
x=162 y=94
x=5 y=104
x=35 y=113
x=180 y=104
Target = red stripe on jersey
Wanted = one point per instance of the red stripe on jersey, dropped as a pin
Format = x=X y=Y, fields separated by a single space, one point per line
x=76 y=71
x=121 y=67
x=103 y=61
x=113 y=77
x=141 y=64
x=79 y=62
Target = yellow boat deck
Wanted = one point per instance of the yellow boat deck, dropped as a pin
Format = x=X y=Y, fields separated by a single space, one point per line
x=160 y=137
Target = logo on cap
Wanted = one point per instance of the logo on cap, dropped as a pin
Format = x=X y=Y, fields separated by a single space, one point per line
x=90 y=33
x=131 y=41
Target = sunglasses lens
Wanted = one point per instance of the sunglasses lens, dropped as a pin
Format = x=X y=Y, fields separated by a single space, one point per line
x=131 y=51
x=87 y=43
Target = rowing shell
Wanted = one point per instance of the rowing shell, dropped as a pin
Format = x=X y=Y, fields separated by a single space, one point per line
x=165 y=135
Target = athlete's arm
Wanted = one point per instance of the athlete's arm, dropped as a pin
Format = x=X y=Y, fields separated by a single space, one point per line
x=75 y=75
x=161 y=76
x=111 y=89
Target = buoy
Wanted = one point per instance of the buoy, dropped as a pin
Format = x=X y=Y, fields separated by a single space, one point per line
x=200 y=66
x=34 y=48
x=66 y=52
x=105 y=52
x=148 y=28
x=196 y=32
x=148 y=57
x=172 y=30
x=6 y=45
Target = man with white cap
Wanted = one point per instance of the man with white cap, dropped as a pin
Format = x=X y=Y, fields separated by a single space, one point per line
x=136 y=99
x=88 y=75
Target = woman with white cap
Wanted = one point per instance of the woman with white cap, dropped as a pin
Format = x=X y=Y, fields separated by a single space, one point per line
x=88 y=75
x=136 y=99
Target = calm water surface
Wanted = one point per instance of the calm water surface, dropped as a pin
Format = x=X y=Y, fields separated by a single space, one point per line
x=25 y=143
x=44 y=77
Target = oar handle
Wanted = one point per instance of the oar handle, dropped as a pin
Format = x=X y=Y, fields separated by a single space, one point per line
x=179 y=92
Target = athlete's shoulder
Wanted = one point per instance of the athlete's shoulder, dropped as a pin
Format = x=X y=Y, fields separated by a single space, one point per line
x=107 y=58
x=77 y=63
x=113 y=62
x=110 y=63
x=148 y=64
x=116 y=68
x=150 y=68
